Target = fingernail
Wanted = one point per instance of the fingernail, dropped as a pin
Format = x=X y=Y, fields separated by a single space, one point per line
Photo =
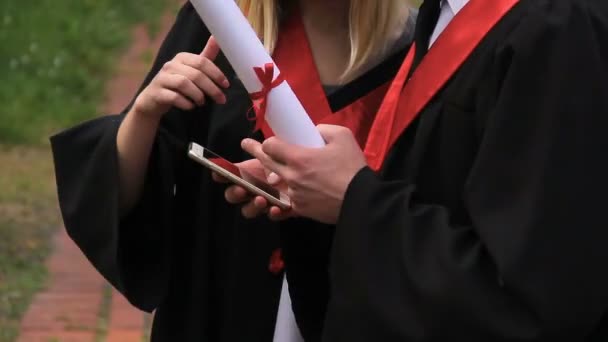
x=226 y=84
x=273 y=178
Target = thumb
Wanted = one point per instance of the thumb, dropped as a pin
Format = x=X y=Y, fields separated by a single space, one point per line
x=331 y=133
x=211 y=50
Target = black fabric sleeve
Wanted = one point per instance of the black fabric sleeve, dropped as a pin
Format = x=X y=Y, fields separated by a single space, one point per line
x=531 y=266
x=133 y=253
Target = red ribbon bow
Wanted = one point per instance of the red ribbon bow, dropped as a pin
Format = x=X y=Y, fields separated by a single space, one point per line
x=260 y=98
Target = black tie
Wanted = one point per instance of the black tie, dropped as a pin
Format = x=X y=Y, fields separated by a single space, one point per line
x=425 y=25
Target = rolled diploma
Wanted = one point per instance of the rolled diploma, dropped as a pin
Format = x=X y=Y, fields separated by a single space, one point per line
x=243 y=49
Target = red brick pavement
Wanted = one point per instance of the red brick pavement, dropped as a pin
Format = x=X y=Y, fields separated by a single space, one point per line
x=67 y=311
x=124 y=325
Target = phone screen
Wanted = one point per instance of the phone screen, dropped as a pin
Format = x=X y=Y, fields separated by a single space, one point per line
x=241 y=173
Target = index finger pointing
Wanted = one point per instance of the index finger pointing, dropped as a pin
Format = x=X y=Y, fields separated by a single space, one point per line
x=211 y=50
x=254 y=148
x=281 y=151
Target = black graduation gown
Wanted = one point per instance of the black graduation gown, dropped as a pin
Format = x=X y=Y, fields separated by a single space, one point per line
x=184 y=251
x=488 y=220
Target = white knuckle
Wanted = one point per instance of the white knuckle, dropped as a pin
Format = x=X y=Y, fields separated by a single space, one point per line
x=203 y=62
x=183 y=81
x=172 y=97
x=199 y=78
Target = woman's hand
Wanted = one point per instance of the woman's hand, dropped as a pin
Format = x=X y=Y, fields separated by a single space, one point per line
x=254 y=206
x=184 y=82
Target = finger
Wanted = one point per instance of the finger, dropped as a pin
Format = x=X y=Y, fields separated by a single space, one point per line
x=219 y=178
x=273 y=179
x=261 y=203
x=250 y=210
x=276 y=214
x=175 y=99
x=211 y=50
x=202 y=81
x=280 y=151
x=236 y=195
x=254 y=148
x=184 y=86
x=213 y=72
x=204 y=65
x=330 y=133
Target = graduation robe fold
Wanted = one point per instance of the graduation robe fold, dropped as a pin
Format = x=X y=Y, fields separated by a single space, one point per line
x=183 y=251
x=488 y=222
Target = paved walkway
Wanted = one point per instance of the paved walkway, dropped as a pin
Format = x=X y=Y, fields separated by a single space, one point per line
x=73 y=306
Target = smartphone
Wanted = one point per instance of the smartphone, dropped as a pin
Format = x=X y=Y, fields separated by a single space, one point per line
x=238 y=175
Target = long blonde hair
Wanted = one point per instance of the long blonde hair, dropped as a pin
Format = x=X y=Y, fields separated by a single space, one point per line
x=372 y=22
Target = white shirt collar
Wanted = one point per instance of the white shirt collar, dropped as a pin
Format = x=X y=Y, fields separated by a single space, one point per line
x=456 y=5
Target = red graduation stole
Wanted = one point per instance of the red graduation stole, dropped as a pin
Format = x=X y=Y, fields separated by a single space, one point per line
x=294 y=58
x=406 y=99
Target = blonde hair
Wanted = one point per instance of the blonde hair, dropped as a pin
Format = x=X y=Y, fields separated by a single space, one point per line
x=372 y=24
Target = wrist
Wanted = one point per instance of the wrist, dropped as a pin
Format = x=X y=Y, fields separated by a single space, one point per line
x=143 y=118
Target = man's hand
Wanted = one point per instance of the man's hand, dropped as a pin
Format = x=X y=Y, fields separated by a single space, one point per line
x=317 y=178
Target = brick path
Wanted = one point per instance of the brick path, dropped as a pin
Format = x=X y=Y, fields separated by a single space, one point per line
x=69 y=309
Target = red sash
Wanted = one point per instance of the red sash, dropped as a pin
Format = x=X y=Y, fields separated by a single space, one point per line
x=406 y=99
x=294 y=58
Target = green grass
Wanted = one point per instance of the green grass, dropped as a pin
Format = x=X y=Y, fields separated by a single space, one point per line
x=104 y=314
x=147 y=328
x=55 y=56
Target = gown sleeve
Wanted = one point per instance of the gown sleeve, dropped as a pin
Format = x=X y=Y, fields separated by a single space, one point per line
x=133 y=252
x=531 y=266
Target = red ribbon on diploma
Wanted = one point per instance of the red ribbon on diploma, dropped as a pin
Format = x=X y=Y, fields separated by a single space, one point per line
x=260 y=98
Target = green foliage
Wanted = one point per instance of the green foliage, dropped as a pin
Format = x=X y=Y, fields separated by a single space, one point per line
x=104 y=314
x=55 y=56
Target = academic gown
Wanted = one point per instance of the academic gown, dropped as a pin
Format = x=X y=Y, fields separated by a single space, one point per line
x=487 y=221
x=183 y=250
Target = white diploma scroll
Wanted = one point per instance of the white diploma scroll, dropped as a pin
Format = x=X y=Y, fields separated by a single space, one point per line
x=243 y=49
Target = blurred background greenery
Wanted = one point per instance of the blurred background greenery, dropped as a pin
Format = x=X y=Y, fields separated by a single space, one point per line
x=55 y=56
